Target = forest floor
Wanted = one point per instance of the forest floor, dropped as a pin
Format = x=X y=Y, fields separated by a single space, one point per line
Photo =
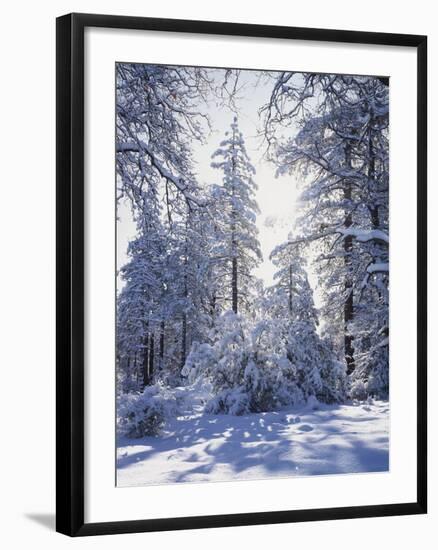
x=194 y=447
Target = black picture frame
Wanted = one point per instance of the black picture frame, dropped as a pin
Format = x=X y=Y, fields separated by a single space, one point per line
x=70 y=273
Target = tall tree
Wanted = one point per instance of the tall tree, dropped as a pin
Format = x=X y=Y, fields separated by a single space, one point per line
x=237 y=239
x=340 y=153
x=141 y=303
x=291 y=295
x=290 y=301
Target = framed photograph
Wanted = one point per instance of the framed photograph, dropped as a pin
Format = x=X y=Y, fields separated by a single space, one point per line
x=241 y=274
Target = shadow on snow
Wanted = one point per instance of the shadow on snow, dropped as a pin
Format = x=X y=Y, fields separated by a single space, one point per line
x=273 y=441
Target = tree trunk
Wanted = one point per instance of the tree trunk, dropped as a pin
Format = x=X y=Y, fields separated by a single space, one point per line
x=136 y=371
x=374 y=211
x=151 y=359
x=375 y=217
x=127 y=367
x=162 y=327
x=213 y=305
x=146 y=359
x=290 y=290
x=184 y=340
x=234 y=285
x=348 y=305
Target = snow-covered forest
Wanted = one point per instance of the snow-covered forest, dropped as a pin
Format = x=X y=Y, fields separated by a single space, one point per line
x=207 y=343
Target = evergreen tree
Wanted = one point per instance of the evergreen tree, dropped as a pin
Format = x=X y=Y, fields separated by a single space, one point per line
x=340 y=154
x=141 y=305
x=317 y=372
x=236 y=246
x=291 y=296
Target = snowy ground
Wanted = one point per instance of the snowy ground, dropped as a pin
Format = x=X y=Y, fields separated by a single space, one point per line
x=334 y=439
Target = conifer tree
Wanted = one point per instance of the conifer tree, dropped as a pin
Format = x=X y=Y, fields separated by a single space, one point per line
x=237 y=244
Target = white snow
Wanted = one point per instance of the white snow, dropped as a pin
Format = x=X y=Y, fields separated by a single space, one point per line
x=364 y=236
x=195 y=447
x=378 y=267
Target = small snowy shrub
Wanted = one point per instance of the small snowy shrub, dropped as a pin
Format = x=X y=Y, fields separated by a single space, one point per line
x=371 y=375
x=141 y=414
x=358 y=390
x=378 y=383
x=248 y=368
x=312 y=403
x=230 y=401
x=222 y=361
x=273 y=364
x=270 y=377
x=200 y=362
x=319 y=373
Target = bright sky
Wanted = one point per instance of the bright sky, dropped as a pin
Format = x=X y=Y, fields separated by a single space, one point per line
x=276 y=197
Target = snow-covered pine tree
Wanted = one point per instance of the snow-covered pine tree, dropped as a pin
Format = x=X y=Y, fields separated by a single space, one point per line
x=317 y=372
x=291 y=296
x=209 y=268
x=190 y=281
x=371 y=324
x=237 y=246
x=157 y=119
x=141 y=306
x=324 y=159
x=340 y=153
